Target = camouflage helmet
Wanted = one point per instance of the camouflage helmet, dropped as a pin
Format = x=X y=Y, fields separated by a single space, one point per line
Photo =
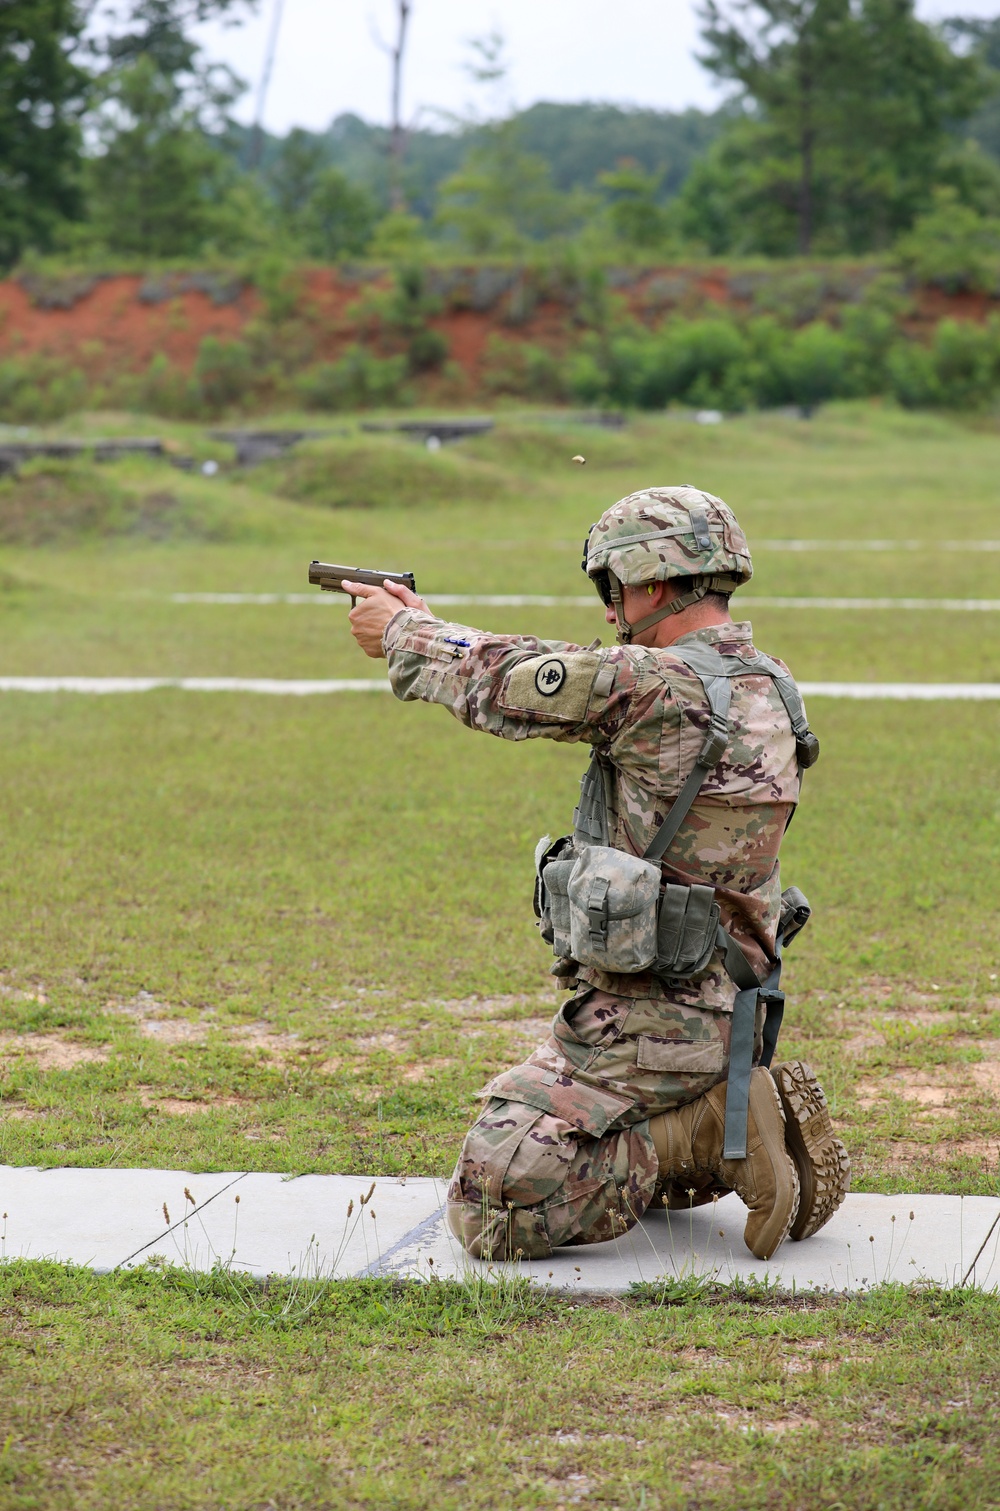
x=660 y=533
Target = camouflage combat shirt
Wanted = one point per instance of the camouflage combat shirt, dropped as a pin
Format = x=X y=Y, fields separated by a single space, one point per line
x=646 y=712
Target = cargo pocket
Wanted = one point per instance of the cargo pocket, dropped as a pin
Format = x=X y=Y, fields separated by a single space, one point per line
x=586 y=1108
x=681 y=1056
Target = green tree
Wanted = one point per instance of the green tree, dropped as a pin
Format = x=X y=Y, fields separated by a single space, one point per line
x=160 y=32
x=338 y=218
x=42 y=95
x=158 y=187
x=982 y=38
x=317 y=204
x=635 y=216
x=853 y=100
x=502 y=197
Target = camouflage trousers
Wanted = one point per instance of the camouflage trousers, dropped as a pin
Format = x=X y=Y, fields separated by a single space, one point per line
x=562 y=1153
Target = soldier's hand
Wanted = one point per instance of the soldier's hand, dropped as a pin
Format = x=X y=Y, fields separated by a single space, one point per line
x=373 y=610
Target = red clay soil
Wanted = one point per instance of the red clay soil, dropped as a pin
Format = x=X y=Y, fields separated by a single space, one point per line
x=119 y=323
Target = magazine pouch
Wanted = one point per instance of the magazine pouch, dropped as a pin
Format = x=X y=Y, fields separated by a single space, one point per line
x=687 y=930
x=554 y=860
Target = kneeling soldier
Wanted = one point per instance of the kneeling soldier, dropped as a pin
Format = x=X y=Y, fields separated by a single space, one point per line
x=664 y=906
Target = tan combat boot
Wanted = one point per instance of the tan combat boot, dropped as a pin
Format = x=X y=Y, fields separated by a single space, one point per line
x=689 y=1141
x=823 y=1163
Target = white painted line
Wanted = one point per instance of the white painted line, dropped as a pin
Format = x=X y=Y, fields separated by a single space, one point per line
x=876 y=545
x=297 y=688
x=976 y=691
x=552 y=601
x=301 y=688
x=927 y=605
x=449 y=600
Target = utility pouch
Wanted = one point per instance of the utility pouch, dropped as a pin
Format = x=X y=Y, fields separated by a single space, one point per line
x=687 y=930
x=613 y=900
x=795 y=914
x=554 y=860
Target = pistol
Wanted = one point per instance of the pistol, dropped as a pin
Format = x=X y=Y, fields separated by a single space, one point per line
x=322 y=574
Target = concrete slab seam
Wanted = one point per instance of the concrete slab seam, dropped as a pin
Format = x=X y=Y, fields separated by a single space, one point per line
x=422 y=1232
x=181 y=1221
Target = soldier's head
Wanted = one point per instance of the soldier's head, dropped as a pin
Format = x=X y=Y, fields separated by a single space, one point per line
x=685 y=540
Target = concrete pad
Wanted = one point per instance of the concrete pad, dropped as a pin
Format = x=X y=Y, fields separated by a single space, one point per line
x=870 y=1241
x=94 y=1217
x=301 y=1225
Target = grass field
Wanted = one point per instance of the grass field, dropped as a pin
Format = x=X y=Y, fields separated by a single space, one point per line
x=255 y=933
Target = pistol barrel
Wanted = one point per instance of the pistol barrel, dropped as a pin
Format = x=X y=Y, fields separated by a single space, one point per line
x=330 y=578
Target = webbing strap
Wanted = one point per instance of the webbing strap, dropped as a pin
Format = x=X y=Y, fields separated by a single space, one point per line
x=738 y=1081
x=741 y=1044
x=718 y=691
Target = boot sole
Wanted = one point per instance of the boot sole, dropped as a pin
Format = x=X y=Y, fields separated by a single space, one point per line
x=823 y=1163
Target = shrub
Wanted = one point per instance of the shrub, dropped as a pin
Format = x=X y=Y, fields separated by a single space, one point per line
x=701 y=362
x=426 y=350
x=224 y=373
x=911 y=376
x=523 y=369
x=358 y=381
x=966 y=362
x=954 y=247
x=813 y=365
x=39 y=389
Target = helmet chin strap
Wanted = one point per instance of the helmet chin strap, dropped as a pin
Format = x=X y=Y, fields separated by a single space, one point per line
x=627 y=632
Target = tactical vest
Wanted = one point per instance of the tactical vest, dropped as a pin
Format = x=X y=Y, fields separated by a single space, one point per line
x=601 y=906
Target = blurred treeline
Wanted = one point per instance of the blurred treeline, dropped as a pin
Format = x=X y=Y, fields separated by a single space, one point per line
x=852 y=129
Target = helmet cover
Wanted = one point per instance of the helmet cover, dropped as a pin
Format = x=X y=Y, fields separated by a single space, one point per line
x=659 y=533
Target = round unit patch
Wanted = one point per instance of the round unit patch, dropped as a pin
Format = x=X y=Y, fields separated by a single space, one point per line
x=550 y=677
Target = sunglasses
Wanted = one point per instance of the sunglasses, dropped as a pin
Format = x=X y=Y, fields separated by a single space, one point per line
x=601 y=580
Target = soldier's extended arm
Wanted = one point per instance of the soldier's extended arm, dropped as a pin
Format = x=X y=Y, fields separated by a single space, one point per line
x=515 y=686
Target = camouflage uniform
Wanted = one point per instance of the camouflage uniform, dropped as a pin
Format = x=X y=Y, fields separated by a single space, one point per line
x=562 y=1153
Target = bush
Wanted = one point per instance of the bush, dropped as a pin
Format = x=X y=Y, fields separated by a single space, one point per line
x=813 y=365
x=225 y=376
x=954 y=247
x=959 y=370
x=358 y=381
x=966 y=362
x=224 y=373
x=38 y=390
x=911 y=376
x=523 y=369
x=706 y=363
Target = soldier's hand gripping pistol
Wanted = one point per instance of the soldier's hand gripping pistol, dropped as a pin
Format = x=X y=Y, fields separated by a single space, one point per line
x=331 y=579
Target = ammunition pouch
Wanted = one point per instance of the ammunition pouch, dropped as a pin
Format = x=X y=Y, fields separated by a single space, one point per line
x=604 y=908
x=612 y=909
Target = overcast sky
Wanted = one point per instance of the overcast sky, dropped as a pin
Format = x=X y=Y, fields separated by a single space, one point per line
x=636 y=52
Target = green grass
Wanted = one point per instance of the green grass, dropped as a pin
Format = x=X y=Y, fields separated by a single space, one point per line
x=194 y=1392
x=241 y=932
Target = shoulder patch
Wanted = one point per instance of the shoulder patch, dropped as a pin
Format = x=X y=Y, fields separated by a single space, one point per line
x=556 y=686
